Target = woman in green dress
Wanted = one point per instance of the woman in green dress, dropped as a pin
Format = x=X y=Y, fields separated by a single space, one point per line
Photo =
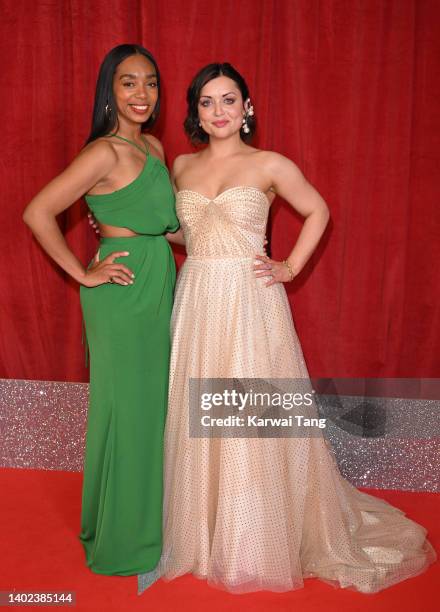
x=126 y=297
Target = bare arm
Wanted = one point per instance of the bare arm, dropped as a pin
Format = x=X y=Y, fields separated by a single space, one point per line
x=177 y=237
x=91 y=165
x=289 y=182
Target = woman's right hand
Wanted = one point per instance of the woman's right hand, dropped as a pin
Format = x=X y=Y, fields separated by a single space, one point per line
x=106 y=271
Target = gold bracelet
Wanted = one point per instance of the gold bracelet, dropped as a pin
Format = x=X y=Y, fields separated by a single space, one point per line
x=289 y=267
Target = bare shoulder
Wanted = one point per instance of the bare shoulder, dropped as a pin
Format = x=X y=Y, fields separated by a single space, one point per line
x=156 y=145
x=181 y=162
x=276 y=162
x=101 y=152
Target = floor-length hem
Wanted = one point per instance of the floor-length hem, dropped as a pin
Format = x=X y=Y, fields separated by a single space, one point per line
x=249 y=513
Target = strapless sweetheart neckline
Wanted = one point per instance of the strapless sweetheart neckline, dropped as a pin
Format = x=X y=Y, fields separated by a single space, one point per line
x=226 y=191
x=258 y=513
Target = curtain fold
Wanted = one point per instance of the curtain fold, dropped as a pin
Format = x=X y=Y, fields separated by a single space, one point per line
x=348 y=89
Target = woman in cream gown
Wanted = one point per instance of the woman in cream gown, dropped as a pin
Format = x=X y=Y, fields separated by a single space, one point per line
x=256 y=513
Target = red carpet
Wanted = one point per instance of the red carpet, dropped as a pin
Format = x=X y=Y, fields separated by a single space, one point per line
x=40 y=551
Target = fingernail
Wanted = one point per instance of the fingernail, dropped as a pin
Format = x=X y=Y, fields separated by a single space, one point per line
x=131 y=282
x=127 y=253
x=132 y=276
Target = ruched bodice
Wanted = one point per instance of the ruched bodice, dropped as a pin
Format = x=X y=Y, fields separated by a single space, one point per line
x=146 y=205
x=231 y=225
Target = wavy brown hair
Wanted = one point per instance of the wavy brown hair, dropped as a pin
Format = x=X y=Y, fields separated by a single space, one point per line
x=196 y=133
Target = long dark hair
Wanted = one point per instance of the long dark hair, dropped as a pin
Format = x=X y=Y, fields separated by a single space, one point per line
x=104 y=122
x=195 y=132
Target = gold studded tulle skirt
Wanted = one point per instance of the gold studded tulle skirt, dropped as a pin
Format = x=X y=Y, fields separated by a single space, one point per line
x=252 y=514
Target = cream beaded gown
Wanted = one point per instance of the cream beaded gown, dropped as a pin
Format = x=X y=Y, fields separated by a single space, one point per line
x=259 y=513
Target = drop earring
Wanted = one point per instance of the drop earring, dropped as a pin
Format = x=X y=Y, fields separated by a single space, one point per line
x=248 y=113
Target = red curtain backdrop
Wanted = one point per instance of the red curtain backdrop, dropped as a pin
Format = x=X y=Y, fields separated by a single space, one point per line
x=348 y=89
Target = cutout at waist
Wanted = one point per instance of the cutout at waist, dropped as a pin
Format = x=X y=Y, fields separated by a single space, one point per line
x=112 y=231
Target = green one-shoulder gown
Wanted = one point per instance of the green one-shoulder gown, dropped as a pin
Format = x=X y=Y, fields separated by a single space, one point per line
x=128 y=335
